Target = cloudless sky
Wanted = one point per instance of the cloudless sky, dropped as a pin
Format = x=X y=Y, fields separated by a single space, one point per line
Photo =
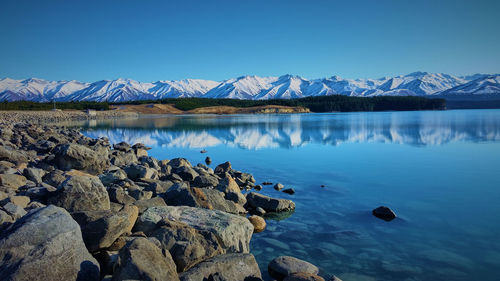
x=169 y=40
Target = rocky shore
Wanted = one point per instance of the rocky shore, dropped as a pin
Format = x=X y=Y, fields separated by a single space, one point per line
x=76 y=208
x=44 y=117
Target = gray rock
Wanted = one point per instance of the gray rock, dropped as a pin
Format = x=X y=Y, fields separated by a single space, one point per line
x=234 y=232
x=54 y=178
x=289 y=191
x=180 y=194
x=216 y=199
x=157 y=186
x=101 y=228
x=14 y=210
x=229 y=267
x=79 y=157
x=118 y=195
x=143 y=205
x=283 y=266
x=46 y=244
x=187 y=245
x=79 y=193
x=179 y=162
x=259 y=211
x=231 y=190
x=113 y=176
x=5 y=219
x=150 y=162
x=269 y=204
x=303 y=276
x=40 y=193
x=122 y=146
x=12 y=181
x=135 y=172
x=21 y=201
x=186 y=173
x=34 y=174
x=13 y=156
x=141 y=259
x=223 y=168
x=206 y=180
x=120 y=158
x=141 y=194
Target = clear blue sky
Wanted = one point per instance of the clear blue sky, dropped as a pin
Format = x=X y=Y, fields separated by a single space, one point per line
x=159 y=40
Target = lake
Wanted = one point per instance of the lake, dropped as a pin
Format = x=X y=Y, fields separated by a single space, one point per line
x=438 y=170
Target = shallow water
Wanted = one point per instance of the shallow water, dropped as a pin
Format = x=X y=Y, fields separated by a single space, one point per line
x=439 y=171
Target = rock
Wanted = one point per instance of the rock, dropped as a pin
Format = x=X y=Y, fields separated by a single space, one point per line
x=141 y=259
x=118 y=195
x=122 y=146
x=12 y=155
x=141 y=194
x=40 y=193
x=14 y=210
x=157 y=186
x=186 y=173
x=5 y=219
x=229 y=267
x=135 y=172
x=267 y=183
x=384 y=213
x=34 y=174
x=259 y=224
x=101 y=228
x=120 y=158
x=79 y=157
x=187 y=245
x=7 y=167
x=258 y=187
x=143 y=205
x=231 y=190
x=208 y=160
x=303 y=276
x=150 y=162
x=223 y=168
x=234 y=232
x=21 y=201
x=206 y=180
x=79 y=193
x=179 y=162
x=34 y=205
x=284 y=266
x=54 y=178
x=259 y=211
x=113 y=176
x=12 y=181
x=180 y=194
x=56 y=252
x=278 y=186
x=269 y=204
x=289 y=191
x=216 y=199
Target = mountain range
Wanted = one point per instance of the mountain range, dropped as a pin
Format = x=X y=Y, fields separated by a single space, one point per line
x=251 y=87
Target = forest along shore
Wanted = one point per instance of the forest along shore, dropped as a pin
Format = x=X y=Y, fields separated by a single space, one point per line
x=111 y=212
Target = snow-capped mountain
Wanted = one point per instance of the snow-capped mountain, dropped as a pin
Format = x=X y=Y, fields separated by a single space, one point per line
x=249 y=87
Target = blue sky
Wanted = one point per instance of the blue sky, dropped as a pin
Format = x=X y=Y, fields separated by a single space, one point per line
x=166 y=40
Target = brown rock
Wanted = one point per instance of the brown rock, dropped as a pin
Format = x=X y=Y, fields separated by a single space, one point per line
x=259 y=224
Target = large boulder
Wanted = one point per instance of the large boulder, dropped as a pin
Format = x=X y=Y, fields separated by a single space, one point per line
x=12 y=155
x=141 y=259
x=230 y=267
x=143 y=205
x=79 y=193
x=135 y=172
x=231 y=190
x=284 y=266
x=180 y=194
x=101 y=228
x=74 y=156
x=216 y=199
x=46 y=244
x=188 y=246
x=234 y=232
x=186 y=173
x=12 y=181
x=269 y=204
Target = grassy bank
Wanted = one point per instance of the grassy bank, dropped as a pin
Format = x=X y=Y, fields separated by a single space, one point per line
x=315 y=104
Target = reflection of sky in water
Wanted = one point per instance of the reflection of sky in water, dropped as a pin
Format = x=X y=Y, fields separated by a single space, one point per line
x=288 y=131
x=443 y=183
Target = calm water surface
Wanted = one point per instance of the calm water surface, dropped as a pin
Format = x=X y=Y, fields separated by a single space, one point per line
x=438 y=170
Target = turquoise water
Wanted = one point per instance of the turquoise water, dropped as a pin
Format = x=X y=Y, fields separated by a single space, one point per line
x=438 y=170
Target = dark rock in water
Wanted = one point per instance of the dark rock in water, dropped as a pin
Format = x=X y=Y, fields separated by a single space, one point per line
x=278 y=186
x=141 y=259
x=289 y=191
x=122 y=146
x=230 y=267
x=79 y=157
x=303 y=276
x=187 y=245
x=208 y=160
x=223 y=168
x=267 y=183
x=284 y=266
x=384 y=213
x=258 y=187
x=46 y=244
x=269 y=204
x=79 y=193
x=101 y=228
x=259 y=211
x=203 y=151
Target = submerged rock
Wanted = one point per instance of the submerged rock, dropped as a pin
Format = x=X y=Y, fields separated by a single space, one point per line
x=46 y=244
x=284 y=266
x=230 y=267
x=384 y=213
